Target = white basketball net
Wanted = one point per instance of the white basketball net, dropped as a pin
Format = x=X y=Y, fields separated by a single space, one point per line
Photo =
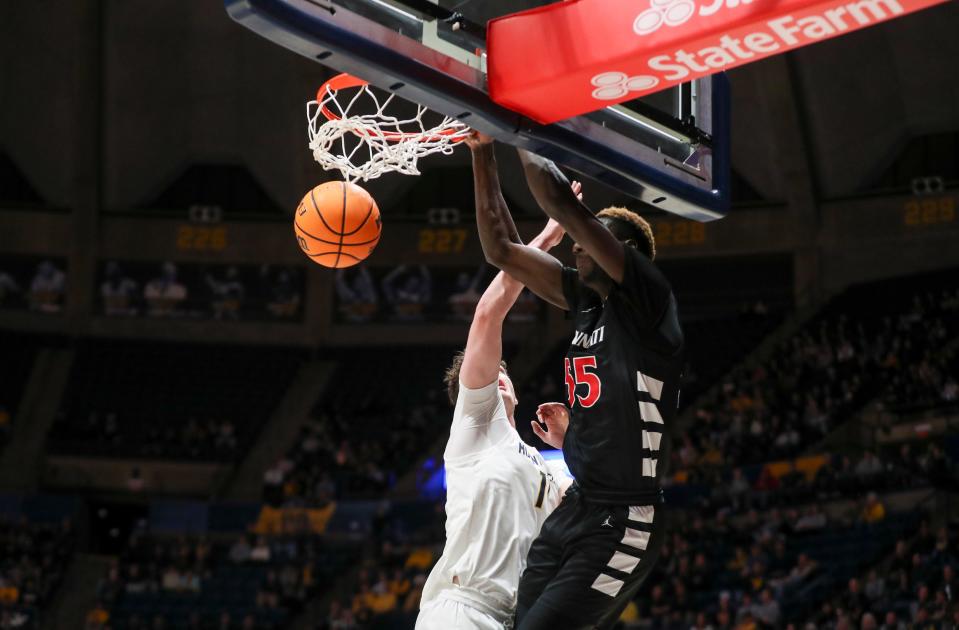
x=364 y=146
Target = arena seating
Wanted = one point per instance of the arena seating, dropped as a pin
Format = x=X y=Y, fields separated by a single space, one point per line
x=381 y=411
x=384 y=594
x=757 y=566
x=157 y=400
x=195 y=582
x=853 y=351
x=913 y=586
x=33 y=561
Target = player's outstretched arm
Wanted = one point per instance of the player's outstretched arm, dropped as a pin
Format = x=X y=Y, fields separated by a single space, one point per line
x=502 y=247
x=484 y=346
x=552 y=192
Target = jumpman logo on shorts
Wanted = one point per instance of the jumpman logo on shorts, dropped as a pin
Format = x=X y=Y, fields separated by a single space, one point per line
x=607 y=523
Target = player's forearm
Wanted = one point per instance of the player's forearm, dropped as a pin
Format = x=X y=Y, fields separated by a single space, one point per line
x=498 y=298
x=496 y=229
x=549 y=186
x=504 y=290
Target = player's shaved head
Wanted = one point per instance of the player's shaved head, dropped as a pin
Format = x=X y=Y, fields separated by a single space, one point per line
x=626 y=225
x=452 y=376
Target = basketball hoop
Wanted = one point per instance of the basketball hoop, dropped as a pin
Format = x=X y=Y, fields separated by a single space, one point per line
x=363 y=145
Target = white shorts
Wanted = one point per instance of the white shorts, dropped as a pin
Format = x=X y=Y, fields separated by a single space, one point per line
x=449 y=614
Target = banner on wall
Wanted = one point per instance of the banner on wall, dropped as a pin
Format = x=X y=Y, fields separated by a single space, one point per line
x=200 y=291
x=413 y=294
x=34 y=283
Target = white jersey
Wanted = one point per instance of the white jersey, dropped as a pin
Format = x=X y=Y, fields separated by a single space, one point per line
x=498 y=493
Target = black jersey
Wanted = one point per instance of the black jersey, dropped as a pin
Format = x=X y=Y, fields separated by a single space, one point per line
x=623 y=369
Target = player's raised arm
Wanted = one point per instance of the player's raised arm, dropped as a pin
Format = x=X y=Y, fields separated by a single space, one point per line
x=539 y=271
x=484 y=346
x=552 y=192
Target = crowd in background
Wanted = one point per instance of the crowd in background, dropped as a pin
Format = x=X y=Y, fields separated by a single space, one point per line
x=419 y=293
x=741 y=565
x=124 y=400
x=191 y=439
x=839 y=476
x=37 y=284
x=331 y=460
x=235 y=582
x=745 y=555
x=386 y=589
x=220 y=292
x=817 y=378
x=914 y=587
x=33 y=561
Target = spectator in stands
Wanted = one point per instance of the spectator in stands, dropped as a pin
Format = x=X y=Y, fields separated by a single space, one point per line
x=873 y=511
x=46 y=288
x=738 y=489
x=869 y=467
x=950 y=390
x=874 y=589
x=340 y=617
x=96 y=619
x=224 y=439
x=920 y=608
x=798 y=574
x=165 y=293
x=135 y=482
x=8 y=288
x=767 y=610
x=261 y=550
x=117 y=291
x=408 y=289
x=412 y=603
x=854 y=602
x=948 y=584
x=284 y=298
x=812 y=519
x=357 y=300
x=240 y=551
x=227 y=294
x=466 y=294
x=892 y=622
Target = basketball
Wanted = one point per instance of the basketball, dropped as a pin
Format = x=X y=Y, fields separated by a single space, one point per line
x=337 y=224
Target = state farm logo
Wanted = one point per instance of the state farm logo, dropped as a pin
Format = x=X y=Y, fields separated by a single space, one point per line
x=676 y=12
x=668 y=12
x=615 y=85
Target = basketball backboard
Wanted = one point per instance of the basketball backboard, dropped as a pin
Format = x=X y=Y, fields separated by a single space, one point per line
x=669 y=149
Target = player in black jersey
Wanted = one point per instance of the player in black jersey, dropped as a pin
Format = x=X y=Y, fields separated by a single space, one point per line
x=623 y=369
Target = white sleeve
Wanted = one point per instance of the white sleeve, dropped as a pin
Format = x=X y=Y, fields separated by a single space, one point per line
x=559 y=484
x=479 y=421
x=558 y=469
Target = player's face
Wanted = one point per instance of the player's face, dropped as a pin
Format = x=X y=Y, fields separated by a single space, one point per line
x=585 y=265
x=589 y=272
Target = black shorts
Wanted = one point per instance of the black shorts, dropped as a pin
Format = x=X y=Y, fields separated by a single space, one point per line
x=587 y=563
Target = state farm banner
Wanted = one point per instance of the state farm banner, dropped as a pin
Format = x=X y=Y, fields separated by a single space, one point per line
x=618 y=50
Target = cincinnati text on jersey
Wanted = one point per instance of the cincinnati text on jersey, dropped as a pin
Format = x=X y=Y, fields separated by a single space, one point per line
x=588 y=340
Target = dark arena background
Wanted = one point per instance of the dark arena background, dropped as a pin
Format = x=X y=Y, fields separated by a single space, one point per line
x=200 y=428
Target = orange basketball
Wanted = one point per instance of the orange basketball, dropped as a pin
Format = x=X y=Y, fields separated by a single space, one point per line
x=337 y=224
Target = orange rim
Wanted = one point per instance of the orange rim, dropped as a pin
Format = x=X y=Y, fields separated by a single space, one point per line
x=345 y=81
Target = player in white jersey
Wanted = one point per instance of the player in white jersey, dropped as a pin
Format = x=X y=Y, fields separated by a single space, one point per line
x=499 y=489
